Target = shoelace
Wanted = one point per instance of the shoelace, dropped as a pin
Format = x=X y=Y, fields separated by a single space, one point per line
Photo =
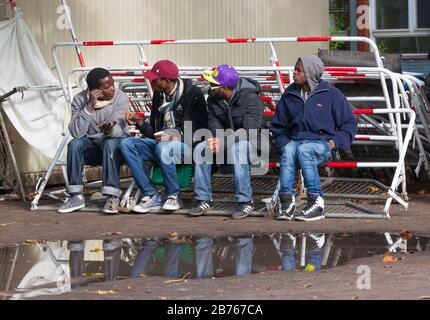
x=71 y=199
x=171 y=200
x=308 y=209
x=288 y=209
x=149 y=199
x=319 y=240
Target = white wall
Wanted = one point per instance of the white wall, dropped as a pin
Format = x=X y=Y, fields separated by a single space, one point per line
x=173 y=19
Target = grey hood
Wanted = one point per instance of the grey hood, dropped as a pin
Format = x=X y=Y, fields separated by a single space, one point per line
x=244 y=87
x=314 y=68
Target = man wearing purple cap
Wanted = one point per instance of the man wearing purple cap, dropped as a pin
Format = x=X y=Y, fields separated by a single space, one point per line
x=176 y=104
x=234 y=106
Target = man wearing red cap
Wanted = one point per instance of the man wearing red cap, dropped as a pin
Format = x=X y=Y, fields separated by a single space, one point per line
x=176 y=104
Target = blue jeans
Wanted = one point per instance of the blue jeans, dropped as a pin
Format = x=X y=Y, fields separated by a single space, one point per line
x=244 y=250
x=144 y=257
x=307 y=155
x=167 y=154
x=242 y=178
x=84 y=151
x=314 y=257
x=204 y=259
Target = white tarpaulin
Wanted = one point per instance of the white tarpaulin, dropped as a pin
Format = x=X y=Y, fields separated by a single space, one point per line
x=39 y=117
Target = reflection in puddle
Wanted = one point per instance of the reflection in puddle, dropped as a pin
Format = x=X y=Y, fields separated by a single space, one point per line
x=52 y=268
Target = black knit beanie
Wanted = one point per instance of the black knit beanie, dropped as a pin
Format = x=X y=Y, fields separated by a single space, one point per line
x=94 y=77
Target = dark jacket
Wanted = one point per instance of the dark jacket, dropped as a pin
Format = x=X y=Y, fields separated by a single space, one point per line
x=191 y=106
x=325 y=115
x=244 y=110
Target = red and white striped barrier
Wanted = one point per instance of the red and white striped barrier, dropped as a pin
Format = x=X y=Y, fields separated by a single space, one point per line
x=282 y=77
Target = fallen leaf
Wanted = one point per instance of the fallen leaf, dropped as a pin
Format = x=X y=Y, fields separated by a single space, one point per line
x=306 y=286
x=115 y=233
x=92 y=274
x=374 y=188
x=130 y=288
x=355 y=297
x=390 y=259
x=97 y=250
x=6 y=224
x=424 y=298
x=405 y=234
x=30 y=241
x=309 y=268
x=422 y=192
x=179 y=280
x=102 y=292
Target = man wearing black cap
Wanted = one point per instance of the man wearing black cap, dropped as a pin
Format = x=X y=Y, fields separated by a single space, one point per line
x=97 y=126
x=176 y=105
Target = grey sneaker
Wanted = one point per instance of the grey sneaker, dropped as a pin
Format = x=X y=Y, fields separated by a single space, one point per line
x=243 y=210
x=148 y=203
x=111 y=206
x=200 y=208
x=73 y=203
x=173 y=203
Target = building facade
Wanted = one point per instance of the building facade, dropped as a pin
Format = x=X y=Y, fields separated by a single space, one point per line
x=170 y=19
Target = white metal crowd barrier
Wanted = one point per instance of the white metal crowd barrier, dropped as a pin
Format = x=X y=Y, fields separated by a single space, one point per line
x=282 y=77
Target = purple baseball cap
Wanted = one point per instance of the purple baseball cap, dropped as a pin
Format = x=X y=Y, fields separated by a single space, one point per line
x=223 y=75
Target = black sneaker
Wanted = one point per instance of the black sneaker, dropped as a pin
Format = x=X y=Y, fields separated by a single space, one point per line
x=243 y=210
x=287 y=205
x=200 y=208
x=313 y=211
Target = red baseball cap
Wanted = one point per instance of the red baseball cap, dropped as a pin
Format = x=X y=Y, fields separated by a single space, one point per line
x=162 y=69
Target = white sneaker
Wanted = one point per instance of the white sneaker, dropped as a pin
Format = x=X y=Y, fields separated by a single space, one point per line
x=172 y=203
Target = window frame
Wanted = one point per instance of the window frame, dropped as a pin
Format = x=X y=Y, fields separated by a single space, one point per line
x=411 y=31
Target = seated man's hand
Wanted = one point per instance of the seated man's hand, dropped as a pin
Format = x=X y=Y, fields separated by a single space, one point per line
x=107 y=126
x=94 y=96
x=214 y=144
x=331 y=144
x=131 y=118
x=165 y=137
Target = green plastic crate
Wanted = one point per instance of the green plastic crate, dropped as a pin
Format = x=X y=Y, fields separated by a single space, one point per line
x=183 y=171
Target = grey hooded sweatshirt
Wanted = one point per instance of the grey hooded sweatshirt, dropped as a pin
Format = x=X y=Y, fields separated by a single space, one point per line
x=84 y=121
x=314 y=69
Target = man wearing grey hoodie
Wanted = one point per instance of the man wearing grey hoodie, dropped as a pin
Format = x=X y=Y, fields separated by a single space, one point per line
x=311 y=121
x=97 y=126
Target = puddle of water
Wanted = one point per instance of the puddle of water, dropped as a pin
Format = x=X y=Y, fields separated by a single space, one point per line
x=50 y=268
